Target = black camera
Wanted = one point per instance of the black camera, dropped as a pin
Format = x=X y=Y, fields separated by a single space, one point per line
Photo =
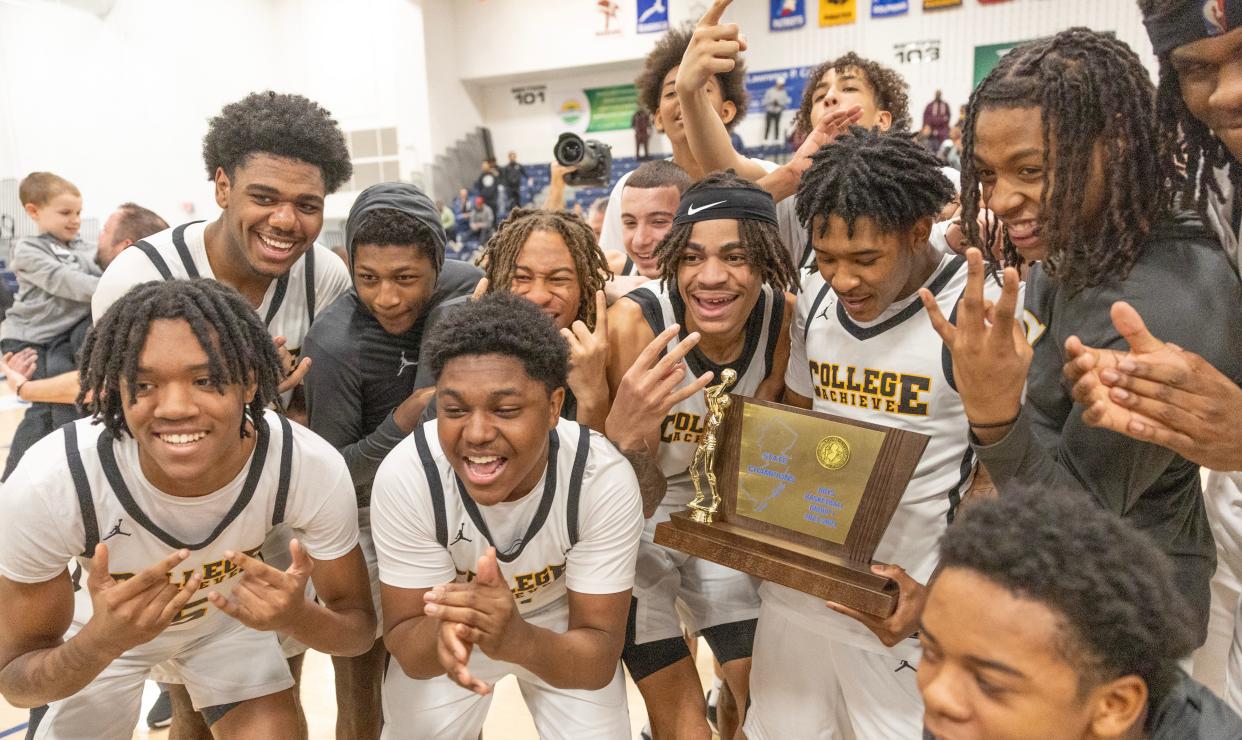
x=592 y=158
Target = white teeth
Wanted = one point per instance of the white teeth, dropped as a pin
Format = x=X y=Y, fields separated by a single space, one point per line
x=483 y=460
x=274 y=244
x=182 y=439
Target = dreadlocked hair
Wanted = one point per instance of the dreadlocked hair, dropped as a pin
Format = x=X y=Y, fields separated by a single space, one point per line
x=888 y=178
x=500 y=255
x=238 y=347
x=891 y=90
x=765 y=252
x=1202 y=153
x=1091 y=89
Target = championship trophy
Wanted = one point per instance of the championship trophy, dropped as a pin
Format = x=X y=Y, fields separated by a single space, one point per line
x=795 y=497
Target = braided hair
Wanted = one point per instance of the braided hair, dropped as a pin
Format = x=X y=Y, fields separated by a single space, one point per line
x=239 y=349
x=888 y=178
x=500 y=255
x=1202 y=153
x=1091 y=89
x=761 y=241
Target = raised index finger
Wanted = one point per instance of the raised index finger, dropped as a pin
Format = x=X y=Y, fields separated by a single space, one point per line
x=714 y=13
x=155 y=575
x=647 y=358
x=601 y=314
x=255 y=567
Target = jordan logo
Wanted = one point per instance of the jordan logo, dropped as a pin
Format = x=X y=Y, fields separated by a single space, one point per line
x=905 y=664
x=824 y=314
x=115 y=531
x=461 y=535
x=405 y=363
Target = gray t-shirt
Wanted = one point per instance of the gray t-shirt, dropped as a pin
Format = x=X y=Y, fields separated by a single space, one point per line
x=55 y=282
x=1183 y=286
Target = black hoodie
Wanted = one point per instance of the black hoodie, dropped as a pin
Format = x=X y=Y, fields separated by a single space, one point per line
x=359 y=372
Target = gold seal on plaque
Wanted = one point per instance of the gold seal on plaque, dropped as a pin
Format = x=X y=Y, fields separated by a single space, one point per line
x=833 y=452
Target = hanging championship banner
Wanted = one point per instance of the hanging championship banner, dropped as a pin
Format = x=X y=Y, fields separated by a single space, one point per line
x=787 y=15
x=936 y=4
x=652 y=16
x=888 y=8
x=836 y=12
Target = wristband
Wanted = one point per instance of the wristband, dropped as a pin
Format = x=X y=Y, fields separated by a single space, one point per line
x=995 y=425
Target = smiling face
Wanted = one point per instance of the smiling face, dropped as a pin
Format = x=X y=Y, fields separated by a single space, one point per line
x=493 y=424
x=646 y=217
x=273 y=210
x=849 y=87
x=394 y=282
x=1009 y=163
x=872 y=269
x=668 y=115
x=1210 y=75
x=187 y=430
x=545 y=274
x=992 y=669
x=60 y=216
x=716 y=280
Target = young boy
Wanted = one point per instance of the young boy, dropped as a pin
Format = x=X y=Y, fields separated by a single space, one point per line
x=1032 y=629
x=506 y=538
x=862 y=349
x=56 y=276
x=367 y=364
x=164 y=497
x=724 y=274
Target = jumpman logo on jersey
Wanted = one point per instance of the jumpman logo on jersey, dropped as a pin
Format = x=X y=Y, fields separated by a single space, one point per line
x=905 y=664
x=461 y=535
x=824 y=314
x=405 y=363
x=115 y=531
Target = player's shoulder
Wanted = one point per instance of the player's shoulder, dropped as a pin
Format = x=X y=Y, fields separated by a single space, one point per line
x=310 y=451
x=403 y=468
x=44 y=468
x=333 y=332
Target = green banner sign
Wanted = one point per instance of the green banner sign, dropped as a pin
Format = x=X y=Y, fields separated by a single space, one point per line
x=986 y=57
x=611 y=107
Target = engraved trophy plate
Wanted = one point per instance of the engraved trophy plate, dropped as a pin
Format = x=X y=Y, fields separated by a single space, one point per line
x=795 y=497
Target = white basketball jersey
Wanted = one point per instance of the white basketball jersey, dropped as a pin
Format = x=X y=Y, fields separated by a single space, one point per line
x=896 y=372
x=587 y=502
x=683 y=426
x=93 y=490
x=288 y=308
x=630 y=269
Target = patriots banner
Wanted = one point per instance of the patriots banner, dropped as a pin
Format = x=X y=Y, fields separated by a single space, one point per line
x=787 y=14
x=652 y=16
x=887 y=8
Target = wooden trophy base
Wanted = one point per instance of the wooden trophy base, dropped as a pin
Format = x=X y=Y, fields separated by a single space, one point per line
x=780 y=561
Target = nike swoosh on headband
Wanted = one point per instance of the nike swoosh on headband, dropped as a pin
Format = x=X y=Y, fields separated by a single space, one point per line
x=690 y=211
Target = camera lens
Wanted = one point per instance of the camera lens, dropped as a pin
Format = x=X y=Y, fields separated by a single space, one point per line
x=570 y=152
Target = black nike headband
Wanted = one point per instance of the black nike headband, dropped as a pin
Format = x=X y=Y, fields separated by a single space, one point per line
x=1192 y=21
x=718 y=204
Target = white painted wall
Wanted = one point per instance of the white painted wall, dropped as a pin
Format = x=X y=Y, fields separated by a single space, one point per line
x=119 y=104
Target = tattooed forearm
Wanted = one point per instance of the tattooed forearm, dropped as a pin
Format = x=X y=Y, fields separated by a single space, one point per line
x=651 y=481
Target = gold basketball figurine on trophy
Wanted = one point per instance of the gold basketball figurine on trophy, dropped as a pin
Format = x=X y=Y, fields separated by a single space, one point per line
x=718 y=401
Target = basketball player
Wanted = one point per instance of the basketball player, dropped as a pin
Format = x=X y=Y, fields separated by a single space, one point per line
x=273 y=158
x=648 y=203
x=841 y=92
x=1114 y=237
x=1033 y=630
x=164 y=497
x=551 y=258
x=360 y=391
x=1166 y=395
x=506 y=538
x=726 y=93
x=724 y=274
x=862 y=349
